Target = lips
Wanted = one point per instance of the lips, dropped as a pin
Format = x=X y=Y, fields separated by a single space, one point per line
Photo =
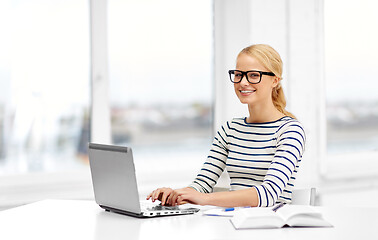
x=247 y=92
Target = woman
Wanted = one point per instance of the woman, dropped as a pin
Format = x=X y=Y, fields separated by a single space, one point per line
x=261 y=152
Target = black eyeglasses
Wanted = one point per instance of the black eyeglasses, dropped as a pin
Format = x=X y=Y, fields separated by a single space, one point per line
x=252 y=76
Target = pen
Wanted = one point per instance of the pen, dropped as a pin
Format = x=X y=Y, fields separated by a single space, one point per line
x=232 y=209
x=278 y=207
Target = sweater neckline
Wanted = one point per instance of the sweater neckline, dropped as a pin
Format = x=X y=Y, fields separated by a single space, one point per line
x=280 y=119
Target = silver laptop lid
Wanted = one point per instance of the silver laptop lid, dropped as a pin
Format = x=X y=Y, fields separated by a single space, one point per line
x=113 y=177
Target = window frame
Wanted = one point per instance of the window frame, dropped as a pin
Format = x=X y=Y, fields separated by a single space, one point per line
x=100 y=109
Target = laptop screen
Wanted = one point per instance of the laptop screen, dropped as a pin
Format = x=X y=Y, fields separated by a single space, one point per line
x=113 y=177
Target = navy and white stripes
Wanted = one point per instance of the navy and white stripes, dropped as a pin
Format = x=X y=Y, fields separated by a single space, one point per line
x=265 y=156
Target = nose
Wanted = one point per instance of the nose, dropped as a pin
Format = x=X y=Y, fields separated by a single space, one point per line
x=244 y=80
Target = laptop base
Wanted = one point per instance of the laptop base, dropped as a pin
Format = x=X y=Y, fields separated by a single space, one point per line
x=150 y=214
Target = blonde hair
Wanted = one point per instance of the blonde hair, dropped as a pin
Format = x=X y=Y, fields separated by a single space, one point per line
x=272 y=61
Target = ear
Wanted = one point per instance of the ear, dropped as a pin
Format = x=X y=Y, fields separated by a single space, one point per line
x=276 y=81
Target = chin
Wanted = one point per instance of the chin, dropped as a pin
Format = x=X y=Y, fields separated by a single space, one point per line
x=245 y=100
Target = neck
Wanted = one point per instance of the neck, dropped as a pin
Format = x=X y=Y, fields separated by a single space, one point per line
x=260 y=113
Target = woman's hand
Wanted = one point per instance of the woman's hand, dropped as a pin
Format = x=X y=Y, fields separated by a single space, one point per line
x=171 y=197
x=160 y=194
x=237 y=198
x=187 y=195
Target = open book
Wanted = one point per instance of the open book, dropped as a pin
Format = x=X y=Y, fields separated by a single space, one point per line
x=288 y=215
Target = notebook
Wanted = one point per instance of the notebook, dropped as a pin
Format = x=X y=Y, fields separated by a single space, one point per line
x=115 y=184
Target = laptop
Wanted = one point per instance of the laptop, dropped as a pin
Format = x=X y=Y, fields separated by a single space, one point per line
x=115 y=185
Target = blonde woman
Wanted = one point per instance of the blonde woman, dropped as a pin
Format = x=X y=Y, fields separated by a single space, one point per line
x=261 y=152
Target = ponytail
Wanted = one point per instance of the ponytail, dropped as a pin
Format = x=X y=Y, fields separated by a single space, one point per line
x=279 y=100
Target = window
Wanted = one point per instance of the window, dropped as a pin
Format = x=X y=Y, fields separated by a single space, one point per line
x=44 y=78
x=160 y=71
x=352 y=101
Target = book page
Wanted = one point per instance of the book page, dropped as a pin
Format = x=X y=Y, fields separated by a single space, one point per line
x=257 y=218
x=303 y=216
x=307 y=221
x=292 y=215
x=288 y=211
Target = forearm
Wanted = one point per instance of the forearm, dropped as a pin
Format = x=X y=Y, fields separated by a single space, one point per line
x=238 y=198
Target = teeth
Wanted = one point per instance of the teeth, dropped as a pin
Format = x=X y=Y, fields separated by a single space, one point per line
x=246 y=91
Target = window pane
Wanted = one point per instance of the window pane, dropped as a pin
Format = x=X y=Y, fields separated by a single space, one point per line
x=351 y=61
x=44 y=78
x=160 y=55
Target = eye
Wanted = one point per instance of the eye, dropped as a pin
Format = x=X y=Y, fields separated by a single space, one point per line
x=237 y=75
x=253 y=75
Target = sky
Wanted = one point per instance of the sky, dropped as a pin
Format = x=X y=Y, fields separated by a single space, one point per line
x=351 y=50
x=44 y=52
x=160 y=51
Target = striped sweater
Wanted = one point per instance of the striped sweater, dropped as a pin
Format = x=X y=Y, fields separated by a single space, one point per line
x=265 y=156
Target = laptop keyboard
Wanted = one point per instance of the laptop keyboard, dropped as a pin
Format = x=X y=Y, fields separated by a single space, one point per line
x=160 y=207
x=154 y=207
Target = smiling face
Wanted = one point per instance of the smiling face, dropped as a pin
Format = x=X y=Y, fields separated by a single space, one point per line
x=252 y=94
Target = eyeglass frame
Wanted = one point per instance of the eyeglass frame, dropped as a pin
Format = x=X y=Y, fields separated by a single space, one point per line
x=245 y=74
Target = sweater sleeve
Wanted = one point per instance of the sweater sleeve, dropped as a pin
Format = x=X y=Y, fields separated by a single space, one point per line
x=214 y=165
x=289 y=150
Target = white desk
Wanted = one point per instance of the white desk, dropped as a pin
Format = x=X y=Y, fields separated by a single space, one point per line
x=72 y=219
